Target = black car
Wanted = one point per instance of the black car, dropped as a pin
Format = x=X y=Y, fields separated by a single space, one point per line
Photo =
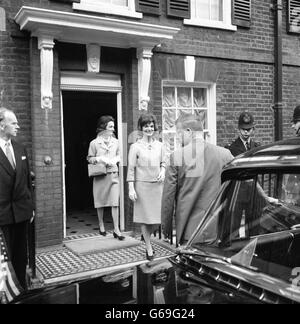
x=247 y=247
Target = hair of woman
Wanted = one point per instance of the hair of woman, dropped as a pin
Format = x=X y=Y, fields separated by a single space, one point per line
x=102 y=123
x=146 y=119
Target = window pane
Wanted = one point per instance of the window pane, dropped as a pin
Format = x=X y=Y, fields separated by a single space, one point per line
x=291 y=189
x=202 y=9
x=200 y=97
x=169 y=97
x=202 y=114
x=168 y=118
x=216 y=10
x=184 y=97
x=184 y=112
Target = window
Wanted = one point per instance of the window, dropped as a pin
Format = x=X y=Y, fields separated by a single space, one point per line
x=181 y=100
x=255 y=221
x=211 y=13
x=116 y=7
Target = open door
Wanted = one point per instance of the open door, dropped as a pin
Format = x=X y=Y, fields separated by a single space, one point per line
x=81 y=111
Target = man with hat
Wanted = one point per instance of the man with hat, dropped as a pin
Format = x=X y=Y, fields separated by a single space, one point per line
x=246 y=129
x=296 y=120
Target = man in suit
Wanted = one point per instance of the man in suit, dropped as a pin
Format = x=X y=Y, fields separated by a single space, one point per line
x=192 y=180
x=244 y=142
x=16 y=200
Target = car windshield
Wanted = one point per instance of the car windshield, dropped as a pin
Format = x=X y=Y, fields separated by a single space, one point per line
x=255 y=221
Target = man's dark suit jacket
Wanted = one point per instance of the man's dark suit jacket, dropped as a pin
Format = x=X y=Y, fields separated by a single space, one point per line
x=16 y=204
x=237 y=147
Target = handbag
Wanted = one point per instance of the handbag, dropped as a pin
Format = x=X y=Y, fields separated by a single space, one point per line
x=96 y=170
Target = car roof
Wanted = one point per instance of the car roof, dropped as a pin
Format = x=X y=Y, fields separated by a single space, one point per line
x=284 y=153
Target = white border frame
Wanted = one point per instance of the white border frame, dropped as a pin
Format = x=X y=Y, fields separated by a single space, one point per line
x=225 y=24
x=93 y=6
x=211 y=103
x=71 y=81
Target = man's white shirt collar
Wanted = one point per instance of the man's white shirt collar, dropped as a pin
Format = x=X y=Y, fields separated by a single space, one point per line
x=3 y=147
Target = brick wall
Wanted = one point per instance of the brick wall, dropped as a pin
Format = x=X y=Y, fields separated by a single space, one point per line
x=241 y=86
x=15 y=75
x=46 y=137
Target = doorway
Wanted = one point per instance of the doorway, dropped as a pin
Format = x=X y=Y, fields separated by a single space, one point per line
x=81 y=110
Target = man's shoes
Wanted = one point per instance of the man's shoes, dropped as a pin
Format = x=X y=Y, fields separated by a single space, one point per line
x=119 y=237
x=102 y=233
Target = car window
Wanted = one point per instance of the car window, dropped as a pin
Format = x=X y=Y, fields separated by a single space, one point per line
x=263 y=208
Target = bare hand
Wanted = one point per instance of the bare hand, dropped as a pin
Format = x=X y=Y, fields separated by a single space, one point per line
x=93 y=160
x=161 y=176
x=132 y=195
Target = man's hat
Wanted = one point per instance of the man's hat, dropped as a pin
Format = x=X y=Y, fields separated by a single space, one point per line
x=246 y=120
x=296 y=116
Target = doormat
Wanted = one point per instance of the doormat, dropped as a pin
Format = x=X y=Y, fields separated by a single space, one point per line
x=100 y=244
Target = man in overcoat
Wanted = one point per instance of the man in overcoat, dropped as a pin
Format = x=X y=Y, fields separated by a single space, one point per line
x=244 y=142
x=16 y=200
x=192 y=180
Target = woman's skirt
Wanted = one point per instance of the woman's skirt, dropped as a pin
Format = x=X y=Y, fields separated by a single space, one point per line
x=147 y=208
x=106 y=190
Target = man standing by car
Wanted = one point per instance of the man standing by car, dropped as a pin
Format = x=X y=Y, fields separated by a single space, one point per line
x=244 y=142
x=16 y=204
x=192 y=180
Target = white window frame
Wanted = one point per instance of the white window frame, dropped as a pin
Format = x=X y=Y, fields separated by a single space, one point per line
x=211 y=107
x=225 y=24
x=95 y=6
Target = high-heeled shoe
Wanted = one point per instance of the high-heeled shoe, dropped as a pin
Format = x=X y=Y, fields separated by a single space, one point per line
x=119 y=237
x=102 y=233
x=149 y=257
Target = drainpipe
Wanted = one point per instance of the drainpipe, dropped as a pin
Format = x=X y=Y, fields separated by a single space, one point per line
x=278 y=107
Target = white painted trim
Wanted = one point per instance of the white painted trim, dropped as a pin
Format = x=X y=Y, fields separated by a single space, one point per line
x=121 y=167
x=88 y=5
x=46 y=45
x=225 y=24
x=144 y=56
x=99 y=83
x=2 y=20
x=63 y=165
x=80 y=28
x=209 y=23
x=212 y=113
x=90 y=82
x=190 y=68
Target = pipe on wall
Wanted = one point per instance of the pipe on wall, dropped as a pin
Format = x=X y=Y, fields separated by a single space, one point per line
x=278 y=106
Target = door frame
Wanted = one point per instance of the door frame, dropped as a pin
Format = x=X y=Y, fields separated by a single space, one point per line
x=104 y=82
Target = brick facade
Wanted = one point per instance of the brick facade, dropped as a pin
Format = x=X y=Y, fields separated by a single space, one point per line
x=242 y=62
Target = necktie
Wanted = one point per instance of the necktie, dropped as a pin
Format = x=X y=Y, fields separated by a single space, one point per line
x=248 y=145
x=9 y=155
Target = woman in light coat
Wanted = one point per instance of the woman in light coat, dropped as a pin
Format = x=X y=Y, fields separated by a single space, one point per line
x=106 y=188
